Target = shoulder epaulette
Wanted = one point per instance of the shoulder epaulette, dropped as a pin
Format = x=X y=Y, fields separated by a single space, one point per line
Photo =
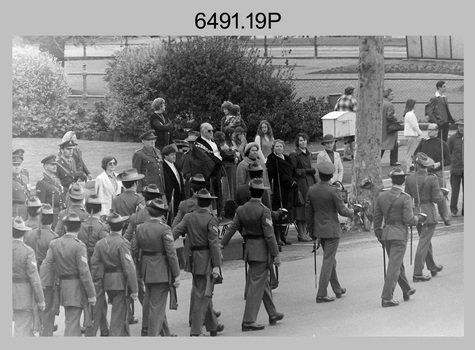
x=138 y=150
x=407 y=194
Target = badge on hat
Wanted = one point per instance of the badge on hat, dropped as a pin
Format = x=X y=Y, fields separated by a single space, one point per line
x=19 y=224
x=76 y=192
x=152 y=188
x=67 y=143
x=17 y=156
x=148 y=135
x=72 y=217
x=157 y=203
x=204 y=193
x=51 y=159
x=130 y=175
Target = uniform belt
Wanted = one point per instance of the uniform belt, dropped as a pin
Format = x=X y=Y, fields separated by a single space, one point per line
x=425 y=202
x=70 y=276
x=254 y=237
x=20 y=280
x=113 y=269
x=145 y=252
x=199 y=247
x=396 y=223
x=19 y=202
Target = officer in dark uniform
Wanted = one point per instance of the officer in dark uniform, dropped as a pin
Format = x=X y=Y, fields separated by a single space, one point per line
x=76 y=196
x=33 y=207
x=148 y=161
x=129 y=201
x=253 y=220
x=158 y=265
x=39 y=239
x=202 y=255
x=392 y=213
x=112 y=263
x=20 y=190
x=21 y=153
x=49 y=189
x=67 y=254
x=26 y=285
x=425 y=190
x=66 y=164
x=183 y=161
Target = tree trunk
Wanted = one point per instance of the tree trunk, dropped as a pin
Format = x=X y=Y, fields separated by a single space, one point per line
x=366 y=180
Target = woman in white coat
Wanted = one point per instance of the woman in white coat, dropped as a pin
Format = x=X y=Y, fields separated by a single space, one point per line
x=328 y=155
x=412 y=132
x=107 y=186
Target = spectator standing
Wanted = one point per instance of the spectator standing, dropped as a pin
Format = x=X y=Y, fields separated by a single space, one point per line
x=328 y=155
x=347 y=102
x=107 y=186
x=240 y=141
x=411 y=132
x=264 y=139
x=438 y=111
x=160 y=124
x=455 y=144
x=302 y=162
x=186 y=165
x=250 y=156
x=174 y=186
x=233 y=119
x=389 y=140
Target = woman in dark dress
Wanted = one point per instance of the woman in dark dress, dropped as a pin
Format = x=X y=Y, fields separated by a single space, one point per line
x=160 y=124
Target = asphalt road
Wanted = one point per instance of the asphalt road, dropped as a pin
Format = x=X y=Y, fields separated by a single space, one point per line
x=436 y=309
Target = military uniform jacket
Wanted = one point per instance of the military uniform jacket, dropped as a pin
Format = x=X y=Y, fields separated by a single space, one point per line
x=155 y=237
x=322 y=206
x=46 y=188
x=99 y=231
x=201 y=249
x=33 y=222
x=253 y=220
x=73 y=208
x=429 y=193
x=20 y=189
x=243 y=195
x=148 y=161
x=80 y=165
x=128 y=202
x=66 y=172
x=69 y=256
x=135 y=219
x=38 y=239
x=112 y=261
x=26 y=284
x=401 y=215
x=186 y=206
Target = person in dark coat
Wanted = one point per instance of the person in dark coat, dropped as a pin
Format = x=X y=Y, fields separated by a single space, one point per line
x=253 y=220
x=174 y=186
x=148 y=161
x=158 y=265
x=202 y=257
x=160 y=123
x=284 y=183
x=323 y=204
x=20 y=188
x=455 y=144
x=66 y=165
x=392 y=214
x=27 y=289
x=68 y=256
x=438 y=111
x=186 y=162
x=77 y=154
x=112 y=264
x=302 y=162
x=425 y=190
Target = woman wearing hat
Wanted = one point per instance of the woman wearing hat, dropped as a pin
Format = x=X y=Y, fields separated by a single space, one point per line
x=107 y=186
x=328 y=155
x=302 y=162
x=250 y=156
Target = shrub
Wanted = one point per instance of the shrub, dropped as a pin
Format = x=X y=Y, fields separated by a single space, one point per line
x=39 y=92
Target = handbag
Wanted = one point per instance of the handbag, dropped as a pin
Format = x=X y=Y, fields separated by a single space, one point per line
x=393 y=126
x=298 y=199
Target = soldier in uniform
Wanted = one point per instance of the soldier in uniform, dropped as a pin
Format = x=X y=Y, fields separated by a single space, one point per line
x=186 y=206
x=129 y=201
x=77 y=154
x=20 y=188
x=76 y=196
x=66 y=164
x=158 y=265
x=93 y=229
x=39 y=239
x=26 y=285
x=20 y=153
x=49 y=189
x=33 y=207
x=253 y=220
x=148 y=161
x=395 y=207
x=112 y=263
x=425 y=190
x=323 y=204
x=202 y=255
x=68 y=255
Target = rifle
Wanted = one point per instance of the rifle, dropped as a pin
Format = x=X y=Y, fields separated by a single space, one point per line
x=384 y=260
x=314 y=251
x=89 y=319
x=245 y=268
x=173 y=305
x=127 y=308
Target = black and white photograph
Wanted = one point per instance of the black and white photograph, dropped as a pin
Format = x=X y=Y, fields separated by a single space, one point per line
x=238 y=171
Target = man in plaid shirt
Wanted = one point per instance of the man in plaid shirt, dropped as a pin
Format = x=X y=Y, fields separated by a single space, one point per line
x=347 y=102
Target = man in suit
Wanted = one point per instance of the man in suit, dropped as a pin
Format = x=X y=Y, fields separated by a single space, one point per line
x=27 y=292
x=158 y=265
x=67 y=255
x=66 y=166
x=322 y=206
x=174 y=186
x=185 y=162
x=455 y=144
x=253 y=220
x=392 y=213
x=20 y=188
x=113 y=266
x=438 y=111
x=425 y=190
x=49 y=189
x=148 y=161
